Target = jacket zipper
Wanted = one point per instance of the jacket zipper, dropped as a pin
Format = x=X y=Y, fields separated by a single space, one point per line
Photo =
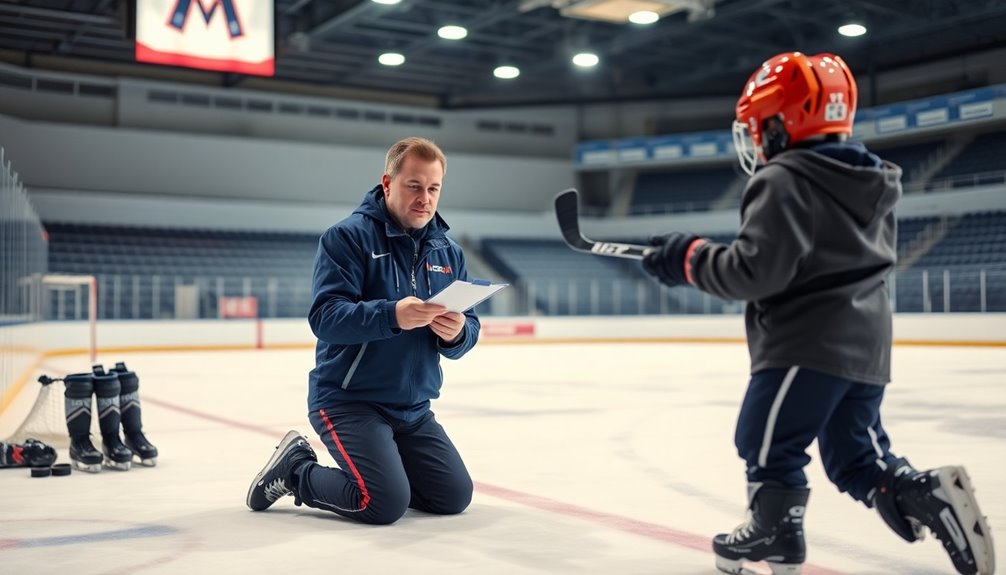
x=415 y=259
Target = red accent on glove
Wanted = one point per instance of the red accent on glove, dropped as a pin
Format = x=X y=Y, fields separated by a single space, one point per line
x=688 y=258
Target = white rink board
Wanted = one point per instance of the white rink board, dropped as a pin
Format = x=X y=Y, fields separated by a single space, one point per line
x=139 y=335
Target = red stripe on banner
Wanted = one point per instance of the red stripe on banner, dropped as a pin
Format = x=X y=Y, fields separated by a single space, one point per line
x=352 y=466
x=147 y=54
x=492 y=329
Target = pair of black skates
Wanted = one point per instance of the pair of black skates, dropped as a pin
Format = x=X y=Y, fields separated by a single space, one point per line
x=117 y=403
x=910 y=502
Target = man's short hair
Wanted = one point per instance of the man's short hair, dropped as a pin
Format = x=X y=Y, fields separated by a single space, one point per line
x=420 y=147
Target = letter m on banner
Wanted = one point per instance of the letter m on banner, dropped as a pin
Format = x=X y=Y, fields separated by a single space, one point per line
x=222 y=35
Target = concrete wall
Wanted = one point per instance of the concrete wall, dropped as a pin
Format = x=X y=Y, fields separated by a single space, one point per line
x=144 y=163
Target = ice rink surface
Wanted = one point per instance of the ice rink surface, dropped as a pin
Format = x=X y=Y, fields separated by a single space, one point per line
x=591 y=458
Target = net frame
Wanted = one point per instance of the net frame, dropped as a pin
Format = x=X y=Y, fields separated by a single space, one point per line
x=46 y=418
x=49 y=280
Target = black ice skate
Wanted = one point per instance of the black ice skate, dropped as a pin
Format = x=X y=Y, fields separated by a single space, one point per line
x=773 y=532
x=83 y=455
x=132 y=424
x=142 y=449
x=78 y=402
x=116 y=454
x=275 y=480
x=943 y=501
x=106 y=391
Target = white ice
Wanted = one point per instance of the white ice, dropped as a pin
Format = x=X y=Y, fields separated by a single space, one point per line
x=591 y=458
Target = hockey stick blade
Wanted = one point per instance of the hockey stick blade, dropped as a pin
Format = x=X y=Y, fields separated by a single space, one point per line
x=567 y=212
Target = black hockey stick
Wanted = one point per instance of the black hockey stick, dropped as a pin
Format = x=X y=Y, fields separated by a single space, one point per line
x=567 y=211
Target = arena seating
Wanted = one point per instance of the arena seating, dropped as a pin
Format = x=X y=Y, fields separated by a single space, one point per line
x=693 y=190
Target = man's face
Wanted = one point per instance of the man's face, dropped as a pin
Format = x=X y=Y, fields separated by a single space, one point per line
x=413 y=194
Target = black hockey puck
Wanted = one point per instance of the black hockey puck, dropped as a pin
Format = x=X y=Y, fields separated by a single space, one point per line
x=61 y=469
x=41 y=471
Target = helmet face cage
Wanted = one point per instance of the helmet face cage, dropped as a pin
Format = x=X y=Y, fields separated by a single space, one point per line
x=747 y=152
x=808 y=96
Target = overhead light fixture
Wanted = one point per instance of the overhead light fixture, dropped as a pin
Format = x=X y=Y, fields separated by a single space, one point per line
x=451 y=32
x=506 y=72
x=585 y=60
x=644 y=17
x=620 y=11
x=391 y=59
x=852 y=30
x=389 y=2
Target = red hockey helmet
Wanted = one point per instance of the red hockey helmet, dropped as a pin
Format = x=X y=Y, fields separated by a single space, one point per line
x=790 y=98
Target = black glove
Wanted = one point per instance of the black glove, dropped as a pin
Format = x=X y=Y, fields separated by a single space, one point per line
x=666 y=260
x=31 y=453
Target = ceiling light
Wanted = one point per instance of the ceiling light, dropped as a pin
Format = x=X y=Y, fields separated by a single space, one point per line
x=452 y=32
x=391 y=59
x=585 y=60
x=386 y=1
x=852 y=30
x=506 y=72
x=644 y=17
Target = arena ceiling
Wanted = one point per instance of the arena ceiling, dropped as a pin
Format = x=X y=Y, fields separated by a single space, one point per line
x=699 y=48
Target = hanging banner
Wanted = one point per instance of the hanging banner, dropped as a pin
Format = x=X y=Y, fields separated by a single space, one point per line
x=221 y=35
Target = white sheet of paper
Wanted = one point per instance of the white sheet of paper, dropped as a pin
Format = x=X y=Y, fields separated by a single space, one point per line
x=461 y=295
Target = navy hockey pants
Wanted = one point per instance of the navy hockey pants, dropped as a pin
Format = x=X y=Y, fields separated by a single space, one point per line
x=385 y=467
x=784 y=410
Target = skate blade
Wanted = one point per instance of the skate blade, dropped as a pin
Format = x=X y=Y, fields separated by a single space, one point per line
x=289 y=438
x=148 y=462
x=116 y=465
x=744 y=567
x=88 y=467
x=956 y=483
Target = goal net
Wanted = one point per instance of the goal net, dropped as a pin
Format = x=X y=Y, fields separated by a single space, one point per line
x=65 y=307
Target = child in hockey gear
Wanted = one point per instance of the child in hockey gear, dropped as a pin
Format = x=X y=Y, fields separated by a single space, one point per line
x=79 y=389
x=815 y=246
x=281 y=474
x=31 y=453
x=132 y=426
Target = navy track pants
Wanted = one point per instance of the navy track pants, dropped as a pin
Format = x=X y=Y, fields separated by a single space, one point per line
x=784 y=410
x=385 y=466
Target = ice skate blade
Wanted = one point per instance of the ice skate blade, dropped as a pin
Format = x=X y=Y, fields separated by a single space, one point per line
x=88 y=467
x=956 y=483
x=736 y=567
x=148 y=462
x=116 y=465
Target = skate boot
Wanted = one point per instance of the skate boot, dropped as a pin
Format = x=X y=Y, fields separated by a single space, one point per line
x=106 y=389
x=943 y=501
x=277 y=477
x=83 y=455
x=132 y=427
x=773 y=532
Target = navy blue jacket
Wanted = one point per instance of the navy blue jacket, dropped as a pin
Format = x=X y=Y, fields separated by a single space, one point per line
x=364 y=265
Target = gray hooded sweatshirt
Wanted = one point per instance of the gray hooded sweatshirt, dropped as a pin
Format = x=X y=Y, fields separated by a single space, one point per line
x=816 y=243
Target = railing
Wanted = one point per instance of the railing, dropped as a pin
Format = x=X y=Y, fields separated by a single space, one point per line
x=22 y=257
x=950 y=289
x=990 y=178
x=933 y=290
